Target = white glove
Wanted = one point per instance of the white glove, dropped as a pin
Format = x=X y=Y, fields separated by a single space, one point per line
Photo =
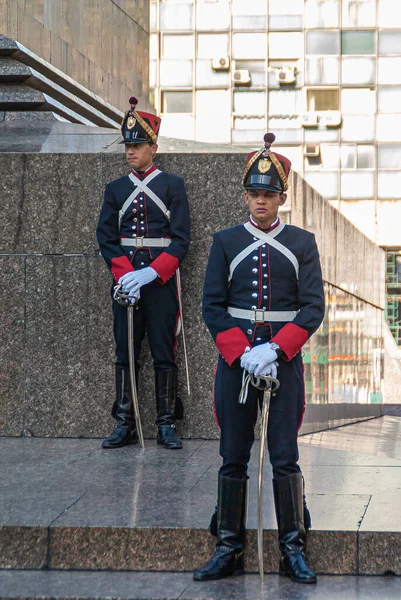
x=134 y=280
x=271 y=370
x=135 y=297
x=256 y=360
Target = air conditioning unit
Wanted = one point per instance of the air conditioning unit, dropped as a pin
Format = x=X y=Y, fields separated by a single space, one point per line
x=286 y=75
x=330 y=118
x=242 y=77
x=312 y=151
x=309 y=119
x=221 y=63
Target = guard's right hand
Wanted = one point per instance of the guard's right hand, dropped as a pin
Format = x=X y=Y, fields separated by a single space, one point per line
x=135 y=296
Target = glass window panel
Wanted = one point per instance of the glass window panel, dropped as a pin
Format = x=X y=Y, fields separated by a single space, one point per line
x=250 y=103
x=257 y=70
x=329 y=158
x=319 y=136
x=389 y=128
x=358 y=128
x=390 y=70
x=358 y=42
x=389 y=42
x=356 y=101
x=321 y=13
x=325 y=183
x=153 y=16
x=359 y=13
x=177 y=126
x=389 y=99
x=285 y=102
x=357 y=185
x=322 y=99
x=389 y=156
x=286 y=7
x=212 y=45
x=154 y=46
x=176 y=16
x=175 y=73
x=177 y=102
x=239 y=7
x=249 y=45
x=322 y=42
x=178 y=46
x=294 y=153
x=389 y=13
x=366 y=157
x=251 y=136
x=286 y=136
x=279 y=22
x=212 y=16
x=207 y=77
x=256 y=123
x=358 y=70
x=389 y=184
x=153 y=73
x=286 y=45
x=249 y=22
x=323 y=71
x=348 y=156
x=220 y=129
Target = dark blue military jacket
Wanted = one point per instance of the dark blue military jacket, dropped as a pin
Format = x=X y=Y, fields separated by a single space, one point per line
x=268 y=280
x=143 y=218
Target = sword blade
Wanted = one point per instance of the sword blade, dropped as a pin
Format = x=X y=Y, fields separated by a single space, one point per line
x=263 y=436
x=130 y=311
x=178 y=279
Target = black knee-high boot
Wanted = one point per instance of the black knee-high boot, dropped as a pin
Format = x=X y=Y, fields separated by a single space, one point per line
x=125 y=431
x=288 y=498
x=166 y=398
x=228 y=558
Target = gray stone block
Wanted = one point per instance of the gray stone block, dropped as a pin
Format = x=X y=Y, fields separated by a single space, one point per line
x=12 y=350
x=52 y=203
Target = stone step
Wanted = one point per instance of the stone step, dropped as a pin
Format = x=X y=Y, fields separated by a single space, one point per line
x=47 y=78
x=12 y=71
x=73 y=585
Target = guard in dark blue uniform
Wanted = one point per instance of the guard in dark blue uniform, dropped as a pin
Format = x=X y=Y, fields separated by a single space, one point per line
x=144 y=234
x=263 y=299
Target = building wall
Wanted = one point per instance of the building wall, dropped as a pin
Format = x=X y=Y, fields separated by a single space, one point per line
x=347 y=56
x=102 y=44
x=56 y=329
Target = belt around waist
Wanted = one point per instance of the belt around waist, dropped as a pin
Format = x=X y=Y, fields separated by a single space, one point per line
x=263 y=316
x=142 y=242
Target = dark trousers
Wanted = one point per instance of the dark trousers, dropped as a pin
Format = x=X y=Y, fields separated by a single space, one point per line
x=237 y=421
x=156 y=315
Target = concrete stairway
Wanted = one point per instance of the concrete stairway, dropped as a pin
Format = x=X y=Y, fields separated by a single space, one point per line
x=29 y=84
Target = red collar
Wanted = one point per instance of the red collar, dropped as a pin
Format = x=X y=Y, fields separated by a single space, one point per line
x=145 y=173
x=273 y=226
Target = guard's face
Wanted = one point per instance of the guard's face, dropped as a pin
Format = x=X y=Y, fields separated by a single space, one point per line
x=140 y=156
x=264 y=204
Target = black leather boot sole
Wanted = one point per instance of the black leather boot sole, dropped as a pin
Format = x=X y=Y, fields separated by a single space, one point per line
x=120 y=438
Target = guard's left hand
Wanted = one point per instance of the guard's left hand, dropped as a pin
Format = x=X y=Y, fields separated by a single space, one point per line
x=256 y=361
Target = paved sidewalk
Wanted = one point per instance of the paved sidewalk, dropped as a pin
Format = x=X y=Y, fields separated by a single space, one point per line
x=68 y=504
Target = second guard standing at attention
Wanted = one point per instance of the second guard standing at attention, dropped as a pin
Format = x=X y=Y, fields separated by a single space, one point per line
x=144 y=234
x=263 y=299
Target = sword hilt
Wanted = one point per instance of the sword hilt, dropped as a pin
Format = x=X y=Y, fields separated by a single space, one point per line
x=265 y=382
x=123 y=297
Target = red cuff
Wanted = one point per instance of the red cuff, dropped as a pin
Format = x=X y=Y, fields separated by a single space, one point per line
x=120 y=266
x=231 y=344
x=165 y=266
x=290 y=338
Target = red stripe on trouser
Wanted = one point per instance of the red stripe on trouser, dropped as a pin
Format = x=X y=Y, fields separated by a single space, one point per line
x=214 y=399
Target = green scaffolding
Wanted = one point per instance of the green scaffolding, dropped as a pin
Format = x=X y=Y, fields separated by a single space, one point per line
x=393 y=292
